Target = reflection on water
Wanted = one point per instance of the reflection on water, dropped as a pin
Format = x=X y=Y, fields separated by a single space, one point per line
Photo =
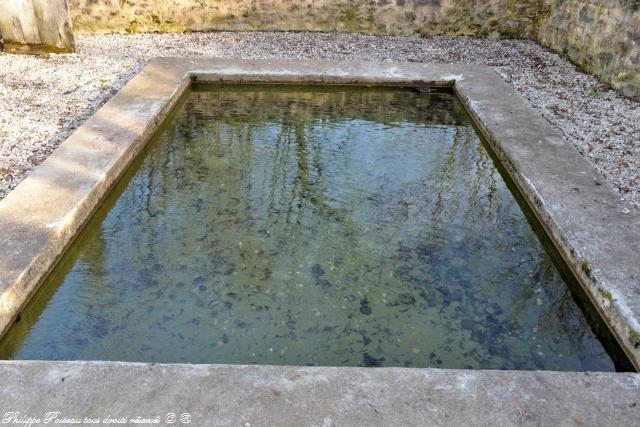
x=312 y=226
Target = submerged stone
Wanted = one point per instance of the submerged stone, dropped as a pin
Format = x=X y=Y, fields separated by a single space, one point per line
x=317 y=271
x=364 y=307
x=323 y=283
x=407 y=299
x=467 y=323
x=370 y=361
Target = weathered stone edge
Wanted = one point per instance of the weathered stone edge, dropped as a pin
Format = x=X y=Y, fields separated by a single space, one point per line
x=225 y=395
x=530 y=149
x=40 y=218
x=597 y=235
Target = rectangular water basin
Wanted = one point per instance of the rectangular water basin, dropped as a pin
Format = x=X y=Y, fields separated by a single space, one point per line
x=313 y=225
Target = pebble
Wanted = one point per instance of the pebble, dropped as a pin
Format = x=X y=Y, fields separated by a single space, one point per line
x=43 y=99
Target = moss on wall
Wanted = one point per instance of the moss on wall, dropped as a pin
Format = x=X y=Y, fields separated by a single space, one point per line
x=601 y=36
x=506 y=17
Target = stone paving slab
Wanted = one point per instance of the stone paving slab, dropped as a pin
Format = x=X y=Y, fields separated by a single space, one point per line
x=234 y=395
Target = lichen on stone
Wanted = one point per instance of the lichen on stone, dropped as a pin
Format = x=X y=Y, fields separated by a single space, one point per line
x=586 y=268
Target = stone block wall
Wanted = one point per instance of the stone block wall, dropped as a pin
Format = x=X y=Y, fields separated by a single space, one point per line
x=601 y=36
x=472 y=17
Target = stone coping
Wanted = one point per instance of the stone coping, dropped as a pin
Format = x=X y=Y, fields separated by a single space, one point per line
x=597 y=235
x=234 y=395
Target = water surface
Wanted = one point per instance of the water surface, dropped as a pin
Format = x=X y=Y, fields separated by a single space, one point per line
x=312 y=226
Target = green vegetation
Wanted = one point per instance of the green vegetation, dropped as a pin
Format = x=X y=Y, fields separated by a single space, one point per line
x=606 y=294
x=634 y=338
x=586 y=268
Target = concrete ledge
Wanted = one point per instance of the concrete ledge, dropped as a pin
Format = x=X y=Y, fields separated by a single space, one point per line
x=594 y=231
x=233 y=395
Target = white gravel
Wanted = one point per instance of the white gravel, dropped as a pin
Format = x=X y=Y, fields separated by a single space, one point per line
x=43 y=99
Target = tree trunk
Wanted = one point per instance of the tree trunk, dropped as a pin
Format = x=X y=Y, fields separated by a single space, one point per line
x=36 y=26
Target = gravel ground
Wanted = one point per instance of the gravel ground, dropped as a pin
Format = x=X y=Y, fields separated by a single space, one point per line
x=43 y=99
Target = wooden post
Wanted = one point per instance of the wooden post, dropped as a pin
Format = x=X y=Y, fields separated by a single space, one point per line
x=36 y=26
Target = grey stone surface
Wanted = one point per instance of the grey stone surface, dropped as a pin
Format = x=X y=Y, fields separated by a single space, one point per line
x=598 y=237
x=234 y=395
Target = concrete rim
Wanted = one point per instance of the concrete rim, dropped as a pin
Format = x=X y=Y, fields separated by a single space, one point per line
x=234 y=395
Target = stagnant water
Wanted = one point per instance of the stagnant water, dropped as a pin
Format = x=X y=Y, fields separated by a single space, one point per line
x=312 y=226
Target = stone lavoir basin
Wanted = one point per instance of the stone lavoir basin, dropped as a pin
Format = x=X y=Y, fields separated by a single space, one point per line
x=218 y=217
x=316 y=225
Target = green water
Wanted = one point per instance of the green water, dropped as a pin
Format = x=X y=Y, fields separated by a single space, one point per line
x=312 y=226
